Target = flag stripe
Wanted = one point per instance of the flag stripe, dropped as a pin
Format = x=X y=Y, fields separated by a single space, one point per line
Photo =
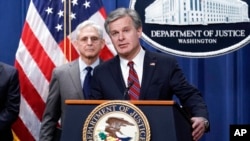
x=30 y=119
x=30 y=94
x=37 y=51
x=32 y=71
x=21 y=131
x=103 y=12
x=106 y=54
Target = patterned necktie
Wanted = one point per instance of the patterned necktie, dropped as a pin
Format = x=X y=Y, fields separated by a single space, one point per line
x=86 y=83
x=133 y=82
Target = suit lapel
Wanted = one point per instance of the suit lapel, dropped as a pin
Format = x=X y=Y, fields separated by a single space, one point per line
x=117 y=71
x=75 y=76
x=149 y=66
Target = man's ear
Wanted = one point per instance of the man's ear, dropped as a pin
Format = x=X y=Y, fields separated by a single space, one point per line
x=139 y=32
x=103 y=43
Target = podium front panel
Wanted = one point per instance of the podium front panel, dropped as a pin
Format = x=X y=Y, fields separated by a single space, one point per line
x=166 y=122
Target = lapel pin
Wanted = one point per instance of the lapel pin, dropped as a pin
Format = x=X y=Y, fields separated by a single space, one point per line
x=152 y=64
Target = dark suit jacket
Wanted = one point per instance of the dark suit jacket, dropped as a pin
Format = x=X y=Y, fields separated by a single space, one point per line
x=9 y=100
x=162 y=78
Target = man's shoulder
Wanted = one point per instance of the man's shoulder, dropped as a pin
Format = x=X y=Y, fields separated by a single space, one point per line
x=65 y=67
x=108 y=62
x=160 y=55
x=7 y=66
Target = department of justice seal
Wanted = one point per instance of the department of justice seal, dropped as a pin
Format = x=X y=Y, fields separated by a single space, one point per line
x=200 y=28
x=116 y=121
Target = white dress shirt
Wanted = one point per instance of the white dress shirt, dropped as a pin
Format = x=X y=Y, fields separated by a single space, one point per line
x=138 y=66
x=83 y=71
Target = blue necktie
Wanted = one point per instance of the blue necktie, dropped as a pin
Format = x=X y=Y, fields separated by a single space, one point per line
x=86 y=83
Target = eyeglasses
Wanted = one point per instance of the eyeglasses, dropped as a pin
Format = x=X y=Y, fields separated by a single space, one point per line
x=93 y=39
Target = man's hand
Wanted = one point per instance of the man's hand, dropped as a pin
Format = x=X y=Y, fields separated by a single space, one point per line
x=199 y=127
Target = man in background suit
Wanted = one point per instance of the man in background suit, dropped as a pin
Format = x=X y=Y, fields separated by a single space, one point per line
x=67 y=80
x=159 y=76
x=9 y=100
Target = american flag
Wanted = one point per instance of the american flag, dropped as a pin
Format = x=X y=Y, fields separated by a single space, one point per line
x=45 y=44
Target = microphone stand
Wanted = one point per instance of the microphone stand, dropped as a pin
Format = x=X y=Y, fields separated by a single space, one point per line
x=126 y=90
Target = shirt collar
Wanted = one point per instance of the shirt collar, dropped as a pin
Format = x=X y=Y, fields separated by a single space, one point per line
x=83 y=65
x=137 y=60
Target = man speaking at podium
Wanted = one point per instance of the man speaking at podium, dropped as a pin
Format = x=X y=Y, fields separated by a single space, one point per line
x=137 y=74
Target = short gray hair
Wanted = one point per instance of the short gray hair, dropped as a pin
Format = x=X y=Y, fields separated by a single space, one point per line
x=88 y=23
x=122 y=12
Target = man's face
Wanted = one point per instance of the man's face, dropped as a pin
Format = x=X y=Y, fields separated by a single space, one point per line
x=89 y=42
x=125 y=37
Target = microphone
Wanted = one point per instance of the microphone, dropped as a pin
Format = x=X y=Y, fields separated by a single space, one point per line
x=127 y=88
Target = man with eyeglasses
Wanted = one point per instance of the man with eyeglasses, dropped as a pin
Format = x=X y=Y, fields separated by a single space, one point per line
x=71 y=80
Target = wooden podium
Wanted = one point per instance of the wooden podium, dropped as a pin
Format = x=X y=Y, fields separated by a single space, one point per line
x=167 y=121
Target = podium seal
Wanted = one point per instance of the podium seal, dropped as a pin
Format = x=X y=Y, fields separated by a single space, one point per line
x=116 y=121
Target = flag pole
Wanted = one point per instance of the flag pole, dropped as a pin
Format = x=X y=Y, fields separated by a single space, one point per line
x=69 y=32
x=64 y=31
